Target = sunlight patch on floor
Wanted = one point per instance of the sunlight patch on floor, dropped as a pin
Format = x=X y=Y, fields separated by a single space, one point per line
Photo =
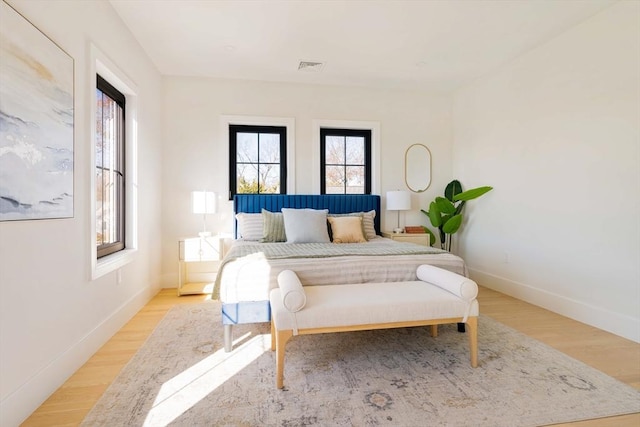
x=188 y=388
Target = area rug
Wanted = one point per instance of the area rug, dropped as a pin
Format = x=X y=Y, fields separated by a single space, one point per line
x=400 y=377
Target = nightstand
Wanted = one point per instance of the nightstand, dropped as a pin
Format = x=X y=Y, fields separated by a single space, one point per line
x=417 y=238
x=198 y=262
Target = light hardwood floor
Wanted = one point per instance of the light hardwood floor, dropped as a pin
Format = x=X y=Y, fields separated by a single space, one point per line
x=617 y=357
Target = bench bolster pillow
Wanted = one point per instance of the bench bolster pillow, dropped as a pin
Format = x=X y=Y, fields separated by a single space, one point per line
x=291 y=290
x=458 y=285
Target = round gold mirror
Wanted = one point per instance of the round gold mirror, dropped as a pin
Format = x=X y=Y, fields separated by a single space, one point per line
x=417 y=168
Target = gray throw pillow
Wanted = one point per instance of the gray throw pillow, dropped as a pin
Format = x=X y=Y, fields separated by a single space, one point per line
x=273 y=227
x=306 y=225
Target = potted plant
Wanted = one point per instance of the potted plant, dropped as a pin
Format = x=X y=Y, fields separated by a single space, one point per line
x=445 y=213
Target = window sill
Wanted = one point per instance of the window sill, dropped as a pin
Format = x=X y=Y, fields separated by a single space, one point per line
x=112 y=262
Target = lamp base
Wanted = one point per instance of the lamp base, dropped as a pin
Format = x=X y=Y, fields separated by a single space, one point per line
x=204 y=234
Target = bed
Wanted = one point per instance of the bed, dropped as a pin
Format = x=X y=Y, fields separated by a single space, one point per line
x=250 y=267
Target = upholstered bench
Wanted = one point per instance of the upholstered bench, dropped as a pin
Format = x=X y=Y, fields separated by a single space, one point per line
x=438 y=297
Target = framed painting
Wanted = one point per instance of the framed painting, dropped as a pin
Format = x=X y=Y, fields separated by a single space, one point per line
x=36 y=122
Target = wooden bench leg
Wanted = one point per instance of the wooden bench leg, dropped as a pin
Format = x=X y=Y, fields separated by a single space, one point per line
x=273 y=335
x=472 y=323
x=281 y=341
x=434 y=330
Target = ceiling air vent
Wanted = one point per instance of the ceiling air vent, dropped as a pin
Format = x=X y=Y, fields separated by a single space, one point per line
x=310 y=66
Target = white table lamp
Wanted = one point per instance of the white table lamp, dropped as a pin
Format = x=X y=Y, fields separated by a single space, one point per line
x=203 y=202
x=398 y=201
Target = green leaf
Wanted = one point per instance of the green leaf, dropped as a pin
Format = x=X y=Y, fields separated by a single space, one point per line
x=459 y=208
x=472 y=194
x=432 y=237
x=452 y=225
x=453 y=188
x=445 y=206
x=434 y=215
x=446 y=218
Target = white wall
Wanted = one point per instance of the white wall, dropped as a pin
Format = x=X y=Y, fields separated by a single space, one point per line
x=52 y=316
x=195 y=154
x=557 y=133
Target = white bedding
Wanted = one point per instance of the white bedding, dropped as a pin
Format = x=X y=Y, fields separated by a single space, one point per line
x=250 y=278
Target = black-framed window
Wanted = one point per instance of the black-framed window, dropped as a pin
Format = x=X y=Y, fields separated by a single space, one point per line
x=345 y=161
x=110 y=169
x=257 y=160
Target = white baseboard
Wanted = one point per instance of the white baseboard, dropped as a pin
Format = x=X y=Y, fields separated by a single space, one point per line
x=20 y=404
x=625 y=326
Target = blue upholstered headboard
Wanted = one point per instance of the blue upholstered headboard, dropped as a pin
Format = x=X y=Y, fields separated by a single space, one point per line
x=336 y=203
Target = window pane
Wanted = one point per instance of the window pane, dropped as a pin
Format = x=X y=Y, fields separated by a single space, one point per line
x=99 y=199
x=334 y=190
x=269 y=148
x=107 y=131
x=119 y=165
x=270 y=179
x=334 y=180
x=109 y=211
x=247 y=182
x=247 y=147
x=334 y=151
x=355 y=150
x=99 y=130
x=355 y=180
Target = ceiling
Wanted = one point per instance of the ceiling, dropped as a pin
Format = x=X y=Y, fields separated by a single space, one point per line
x=430 y=45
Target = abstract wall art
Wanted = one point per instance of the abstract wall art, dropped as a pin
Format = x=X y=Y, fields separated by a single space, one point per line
x=36 y=122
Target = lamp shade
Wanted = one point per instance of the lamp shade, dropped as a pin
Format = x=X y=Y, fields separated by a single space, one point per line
x=398 y=200
x=203 y=202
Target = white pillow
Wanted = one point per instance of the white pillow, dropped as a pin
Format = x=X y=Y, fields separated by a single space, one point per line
x=458 y=285
x=249 y=225
x=305 y=225
x=292 y=291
